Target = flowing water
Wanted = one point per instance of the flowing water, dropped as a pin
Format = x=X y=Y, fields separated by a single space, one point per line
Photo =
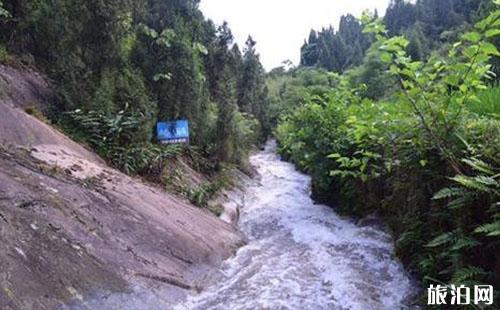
x=301 y=255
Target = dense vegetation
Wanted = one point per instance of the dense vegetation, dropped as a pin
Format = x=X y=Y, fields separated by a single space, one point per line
x=416 y=142
x=427 y=24
x=119 y=66
x=336 y=51
x=388 y=116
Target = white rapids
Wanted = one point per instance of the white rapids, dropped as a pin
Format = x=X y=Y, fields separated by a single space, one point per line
x=301 y=255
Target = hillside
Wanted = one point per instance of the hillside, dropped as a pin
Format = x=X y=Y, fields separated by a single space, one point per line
x=149 y=161
x=73 y=228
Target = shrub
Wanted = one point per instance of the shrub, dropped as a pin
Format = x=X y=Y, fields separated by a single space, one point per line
x=487 y=103
x=5 y=57
x=420 y=160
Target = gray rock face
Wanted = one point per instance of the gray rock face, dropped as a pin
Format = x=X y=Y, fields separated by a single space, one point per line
x=72 y=228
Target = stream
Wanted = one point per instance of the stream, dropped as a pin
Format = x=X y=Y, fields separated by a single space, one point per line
x=302 y=255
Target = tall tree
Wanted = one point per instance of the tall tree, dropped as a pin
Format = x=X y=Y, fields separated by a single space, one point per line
x=145 y=60
x=336 y=51
x=309 y=51
x=252 y=83
x=225 y=92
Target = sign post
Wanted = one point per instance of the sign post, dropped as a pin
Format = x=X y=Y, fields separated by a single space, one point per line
x=173 y=132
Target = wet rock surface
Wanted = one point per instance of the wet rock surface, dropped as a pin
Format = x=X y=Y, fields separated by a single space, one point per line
x=64 y=239
x=75 y=233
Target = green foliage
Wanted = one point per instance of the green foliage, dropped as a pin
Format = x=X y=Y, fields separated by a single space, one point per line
x=202 y=194
x=289 y=90
x=252 y=93
x=424 y=157
x=4 y=14
x=199 y=195
x=118 y=138
x=125 y=65
x=34 y=111
x=374 y=74
x=335 y=51
x=429 y=23
x=5 y=57
x=487 y=103
x=245 y=135
x=426 y=23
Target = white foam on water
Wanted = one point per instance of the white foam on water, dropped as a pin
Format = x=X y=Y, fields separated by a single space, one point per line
x=302 y=255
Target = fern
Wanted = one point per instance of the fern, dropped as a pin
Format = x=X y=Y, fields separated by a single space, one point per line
x=488 y=181
x=460 y=202
x=478 y=165
x=465 y=274
x=472 y=183
x=3 y=12
x=440 y=240
x=464 y=243
x=448 y=192
x=491 y=230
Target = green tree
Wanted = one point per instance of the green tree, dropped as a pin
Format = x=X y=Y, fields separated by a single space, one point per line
x=148 y=60
x=309 y=51
x=336 y=51
x=252 y=95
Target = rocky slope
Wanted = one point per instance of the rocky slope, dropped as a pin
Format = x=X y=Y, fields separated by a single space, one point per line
x=73 y=229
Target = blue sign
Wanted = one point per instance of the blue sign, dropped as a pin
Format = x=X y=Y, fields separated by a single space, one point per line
x=173 y=132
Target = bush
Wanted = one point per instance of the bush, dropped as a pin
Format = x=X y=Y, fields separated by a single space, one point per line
x=422 y=161
x=5 y=57
x=34 y=111
x=487 y=103
x=120 y=139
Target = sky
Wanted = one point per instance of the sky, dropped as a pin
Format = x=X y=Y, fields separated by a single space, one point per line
x=280 y=26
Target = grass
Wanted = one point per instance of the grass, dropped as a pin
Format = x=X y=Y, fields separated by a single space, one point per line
x=34 y=111
x=488 y=104
x=5 y=57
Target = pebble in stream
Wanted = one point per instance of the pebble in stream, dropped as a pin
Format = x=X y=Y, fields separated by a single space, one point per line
x=301 y=255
